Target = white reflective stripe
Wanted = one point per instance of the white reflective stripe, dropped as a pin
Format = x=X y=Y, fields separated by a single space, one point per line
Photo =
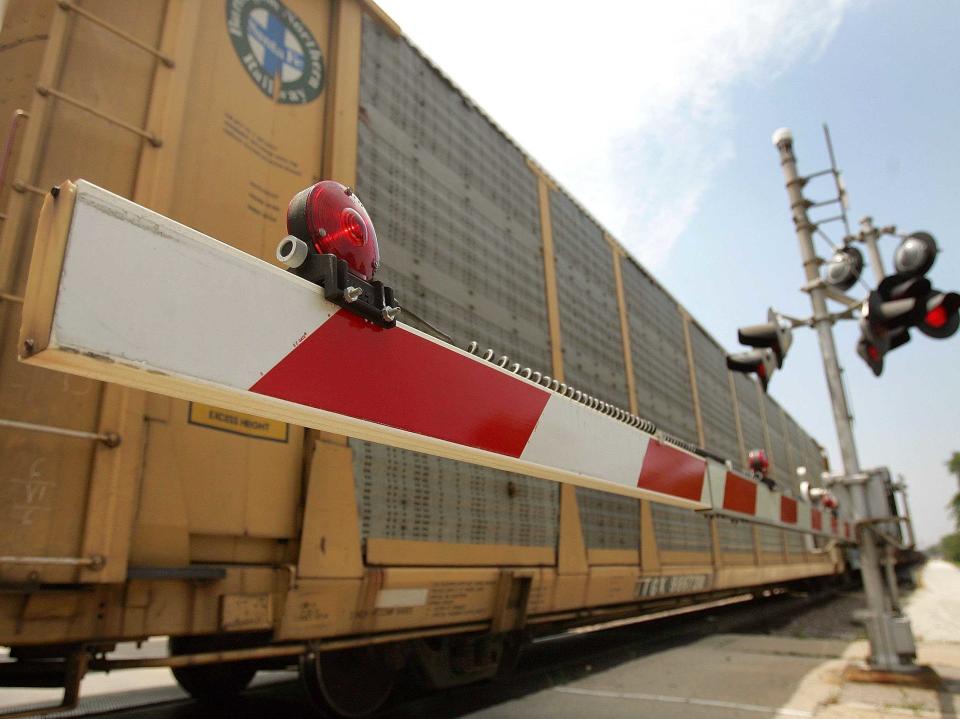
x=668 y=699
x=706 y=494
x=580 y=439
x=717 y=479
x=401 y=598
x=229 y=321
x=803 y=516
x=768 y=504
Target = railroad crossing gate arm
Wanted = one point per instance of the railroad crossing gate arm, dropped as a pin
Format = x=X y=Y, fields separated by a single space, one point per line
x=121 y=294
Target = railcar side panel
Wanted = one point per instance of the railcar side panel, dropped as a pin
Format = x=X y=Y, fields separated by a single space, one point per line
x=660 y=367
x=45 y=478
x=589 y=317
x=716 y=402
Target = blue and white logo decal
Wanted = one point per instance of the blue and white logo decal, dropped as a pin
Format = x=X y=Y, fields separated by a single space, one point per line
x=278 y=51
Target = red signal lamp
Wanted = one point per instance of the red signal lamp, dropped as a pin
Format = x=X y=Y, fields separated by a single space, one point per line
x=332 y=243
x=329 y=216
x=937 y=317
x=875 y=342
x=763 y=362
x=942 y=316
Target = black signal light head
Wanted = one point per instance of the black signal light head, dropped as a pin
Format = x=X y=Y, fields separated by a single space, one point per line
x=916 y=254
x=941 y=315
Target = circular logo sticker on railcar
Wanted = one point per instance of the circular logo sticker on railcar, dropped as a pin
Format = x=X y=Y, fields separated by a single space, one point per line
x=277 y=50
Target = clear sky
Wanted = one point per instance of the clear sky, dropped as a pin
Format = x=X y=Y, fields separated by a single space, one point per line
x=657 y=117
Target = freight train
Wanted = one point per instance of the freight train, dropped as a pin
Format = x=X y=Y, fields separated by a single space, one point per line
x=252 y=543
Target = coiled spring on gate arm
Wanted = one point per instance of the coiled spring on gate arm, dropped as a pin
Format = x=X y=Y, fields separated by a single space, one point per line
x=555 y=385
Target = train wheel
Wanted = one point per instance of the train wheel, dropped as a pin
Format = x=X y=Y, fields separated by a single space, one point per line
x=349 y=682
x=209 y=682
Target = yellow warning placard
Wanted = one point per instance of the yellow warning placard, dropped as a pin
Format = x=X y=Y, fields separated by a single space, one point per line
x=238 y=422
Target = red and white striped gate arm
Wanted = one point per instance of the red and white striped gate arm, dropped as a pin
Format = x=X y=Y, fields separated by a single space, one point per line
x=737 y=496
x=122 y=294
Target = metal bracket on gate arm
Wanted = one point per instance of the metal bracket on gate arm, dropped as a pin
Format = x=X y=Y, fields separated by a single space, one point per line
x=332 y=243
x=373 y=300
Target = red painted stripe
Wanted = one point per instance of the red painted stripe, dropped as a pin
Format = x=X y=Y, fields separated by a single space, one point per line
x=740 y=495
x=399 y=379
x=833 y=525
x=670 y=471
x=816 y=519
x=846 y=530
x=788 y=510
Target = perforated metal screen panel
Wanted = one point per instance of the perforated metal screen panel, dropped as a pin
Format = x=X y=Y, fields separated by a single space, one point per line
x=413 y=496
x=454 y=203
x=457 y=214
x=795 y=544
x=750 y=419
x=659 y=355
x=771 y=539
x=609 y=521
x=805 y=451
x=795 y=442
x=589 y=315
x=735 y=536
x=680 y=530
x=716 y=404
x=811 y=452
x=780 y=467
x=458 y=222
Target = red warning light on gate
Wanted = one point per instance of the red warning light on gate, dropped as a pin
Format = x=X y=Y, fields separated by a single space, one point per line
x=330 y=216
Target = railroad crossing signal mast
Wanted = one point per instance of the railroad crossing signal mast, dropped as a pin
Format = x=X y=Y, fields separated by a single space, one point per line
x=900 y=301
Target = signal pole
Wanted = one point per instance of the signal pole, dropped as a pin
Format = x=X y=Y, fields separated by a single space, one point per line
x=882 y=628
x=870 y=234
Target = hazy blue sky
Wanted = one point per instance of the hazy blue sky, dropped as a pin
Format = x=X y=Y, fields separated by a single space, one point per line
x=658 y=116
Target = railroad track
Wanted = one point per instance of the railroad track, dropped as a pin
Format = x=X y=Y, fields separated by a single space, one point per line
x=549 y=661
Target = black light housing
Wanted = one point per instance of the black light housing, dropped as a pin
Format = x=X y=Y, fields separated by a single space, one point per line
x=915 y=255
x=762 y=362
x=774 y=334
x=844 y=268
